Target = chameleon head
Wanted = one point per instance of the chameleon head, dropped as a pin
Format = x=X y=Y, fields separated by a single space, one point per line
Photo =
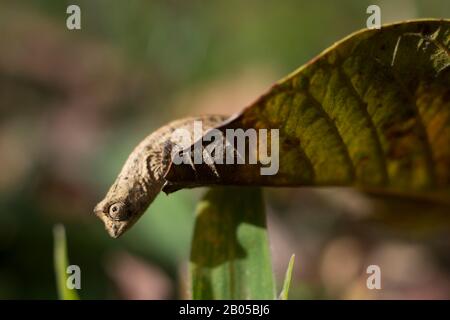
x=115 y=216
x=142 y=177
x=121 y=208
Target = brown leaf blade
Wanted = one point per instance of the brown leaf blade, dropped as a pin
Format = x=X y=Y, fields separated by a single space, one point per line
x=371 y=111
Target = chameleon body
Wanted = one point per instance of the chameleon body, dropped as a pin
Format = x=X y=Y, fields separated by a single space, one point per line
x=142 y=176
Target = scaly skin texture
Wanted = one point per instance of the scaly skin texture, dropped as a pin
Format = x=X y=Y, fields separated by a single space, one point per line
x=142 y=176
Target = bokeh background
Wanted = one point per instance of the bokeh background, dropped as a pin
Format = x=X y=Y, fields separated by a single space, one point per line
x=73 y=104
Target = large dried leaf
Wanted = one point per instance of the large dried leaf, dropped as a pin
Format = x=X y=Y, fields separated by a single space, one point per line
x=371 y=111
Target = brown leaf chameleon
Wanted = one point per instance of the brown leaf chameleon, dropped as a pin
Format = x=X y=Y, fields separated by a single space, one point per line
x=142 y=176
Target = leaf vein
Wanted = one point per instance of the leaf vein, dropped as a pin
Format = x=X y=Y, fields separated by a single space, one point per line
x=429 y=158
x=373 y=129
x=334 y=128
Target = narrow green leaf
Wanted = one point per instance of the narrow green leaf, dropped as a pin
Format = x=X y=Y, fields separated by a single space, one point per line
x=287 y=279
x=230 y=256
x=61 y=263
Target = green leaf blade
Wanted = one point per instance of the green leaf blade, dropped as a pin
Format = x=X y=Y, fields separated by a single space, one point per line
x=230 y=256
x=284 y=295
x=61 y=262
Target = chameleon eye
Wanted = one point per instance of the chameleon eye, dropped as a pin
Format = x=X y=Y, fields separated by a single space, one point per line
x=117 y=211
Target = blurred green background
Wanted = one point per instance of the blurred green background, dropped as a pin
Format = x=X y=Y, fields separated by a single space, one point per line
x=73 y=104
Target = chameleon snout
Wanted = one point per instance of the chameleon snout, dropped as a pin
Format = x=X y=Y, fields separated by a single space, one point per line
x=114 y=228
